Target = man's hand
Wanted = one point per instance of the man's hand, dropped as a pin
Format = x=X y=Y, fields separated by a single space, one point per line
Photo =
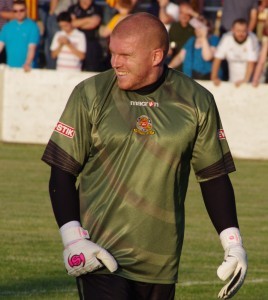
x=234 y=265
x=216 y=81
x=238 y=83
x=27 y=67
x=81 y=255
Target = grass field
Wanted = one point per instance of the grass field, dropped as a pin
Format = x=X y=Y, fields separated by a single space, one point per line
x=31 y=252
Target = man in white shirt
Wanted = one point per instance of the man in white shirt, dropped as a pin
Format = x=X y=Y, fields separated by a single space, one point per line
x=68 y=45
x=240 y=48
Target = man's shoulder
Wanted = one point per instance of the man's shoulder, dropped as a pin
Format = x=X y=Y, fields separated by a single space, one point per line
x=227 y=36
x=9 y=25
x=100 y=80
x=31 y=23
x=77 y=32
x=227 y=40
x=187 y=87
x=75 y=9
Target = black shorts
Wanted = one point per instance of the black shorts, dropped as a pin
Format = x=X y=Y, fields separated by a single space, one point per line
x=112 y=287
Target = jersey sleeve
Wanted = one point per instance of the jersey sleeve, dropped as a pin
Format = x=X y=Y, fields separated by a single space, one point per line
x=211 y=156
x=70 y=142
x=214 y=41
x=34 y=37
x=253 y=48
x=82 y=45
x=222 y=47
x=55 y=44
x=3 y=34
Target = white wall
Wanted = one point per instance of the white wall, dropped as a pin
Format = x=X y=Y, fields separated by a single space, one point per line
x=31 y=103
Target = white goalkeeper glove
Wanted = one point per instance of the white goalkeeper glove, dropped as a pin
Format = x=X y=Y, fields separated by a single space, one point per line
x=80 y=254
x=234 y=265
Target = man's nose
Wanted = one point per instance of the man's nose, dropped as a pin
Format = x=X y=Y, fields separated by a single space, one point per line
x=116 y=61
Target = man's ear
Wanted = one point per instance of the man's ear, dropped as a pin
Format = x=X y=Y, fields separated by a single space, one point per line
x=158 y=56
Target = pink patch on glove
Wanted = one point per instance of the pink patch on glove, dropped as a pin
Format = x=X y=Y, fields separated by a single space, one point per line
x=77 y=260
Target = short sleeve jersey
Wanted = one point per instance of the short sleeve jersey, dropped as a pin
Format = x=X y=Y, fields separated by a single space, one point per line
x=133 y=154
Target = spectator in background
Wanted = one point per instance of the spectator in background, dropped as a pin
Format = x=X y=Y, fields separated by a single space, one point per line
x=6 y=14
x=197 y=54
x=168 y=12
x=233 y=10
x=42 y=12
x=68 y=45
x=123 y=8
x=260 y=73
x=20 y=37
x=263 y=5
x=180 y=31
x=240 y=50
x=51 y=27
x=87 y=17
x=239 y=9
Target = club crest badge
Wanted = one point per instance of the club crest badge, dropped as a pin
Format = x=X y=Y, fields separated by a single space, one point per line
x=144 y=126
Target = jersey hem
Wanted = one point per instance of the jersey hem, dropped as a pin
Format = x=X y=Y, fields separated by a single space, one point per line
x=139 y=278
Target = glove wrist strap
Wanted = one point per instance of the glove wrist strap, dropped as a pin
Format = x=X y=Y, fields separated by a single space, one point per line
x=71 y=234
x=230 y=237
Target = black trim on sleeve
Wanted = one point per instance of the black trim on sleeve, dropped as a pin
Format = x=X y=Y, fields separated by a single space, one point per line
x=221 y=167
x=219 y=198
x=64 y=196
x=55 y=156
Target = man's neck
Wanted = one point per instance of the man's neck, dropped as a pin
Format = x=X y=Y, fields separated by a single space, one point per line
x=150 y=88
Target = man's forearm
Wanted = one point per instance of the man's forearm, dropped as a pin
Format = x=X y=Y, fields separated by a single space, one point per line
x=249 y=70
x=64 y=196
x=218 y=195
x=30 y=54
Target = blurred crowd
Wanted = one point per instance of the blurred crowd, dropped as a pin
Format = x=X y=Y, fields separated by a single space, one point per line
x=228 y=42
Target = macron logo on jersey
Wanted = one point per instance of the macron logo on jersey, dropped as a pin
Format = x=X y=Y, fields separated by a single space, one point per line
x=65 y=130
x=221 y=134
x=145 y=103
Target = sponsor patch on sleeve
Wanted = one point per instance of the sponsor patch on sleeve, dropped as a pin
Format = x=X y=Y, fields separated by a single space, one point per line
x=65 y=130
x=221 y=134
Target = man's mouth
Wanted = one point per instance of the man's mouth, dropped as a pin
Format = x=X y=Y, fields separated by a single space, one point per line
x=122 y=73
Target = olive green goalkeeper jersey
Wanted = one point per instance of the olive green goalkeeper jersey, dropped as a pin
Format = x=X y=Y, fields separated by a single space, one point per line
x=133 y=154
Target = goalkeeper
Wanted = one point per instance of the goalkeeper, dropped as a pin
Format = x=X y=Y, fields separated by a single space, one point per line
x=120 y=160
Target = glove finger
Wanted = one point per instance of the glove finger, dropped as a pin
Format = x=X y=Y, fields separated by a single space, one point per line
x=76 y=271
x=227 y=268
x=108 y=260
x=78 y=264
x=231 y=288
x=222 y=292
x=92 y=264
